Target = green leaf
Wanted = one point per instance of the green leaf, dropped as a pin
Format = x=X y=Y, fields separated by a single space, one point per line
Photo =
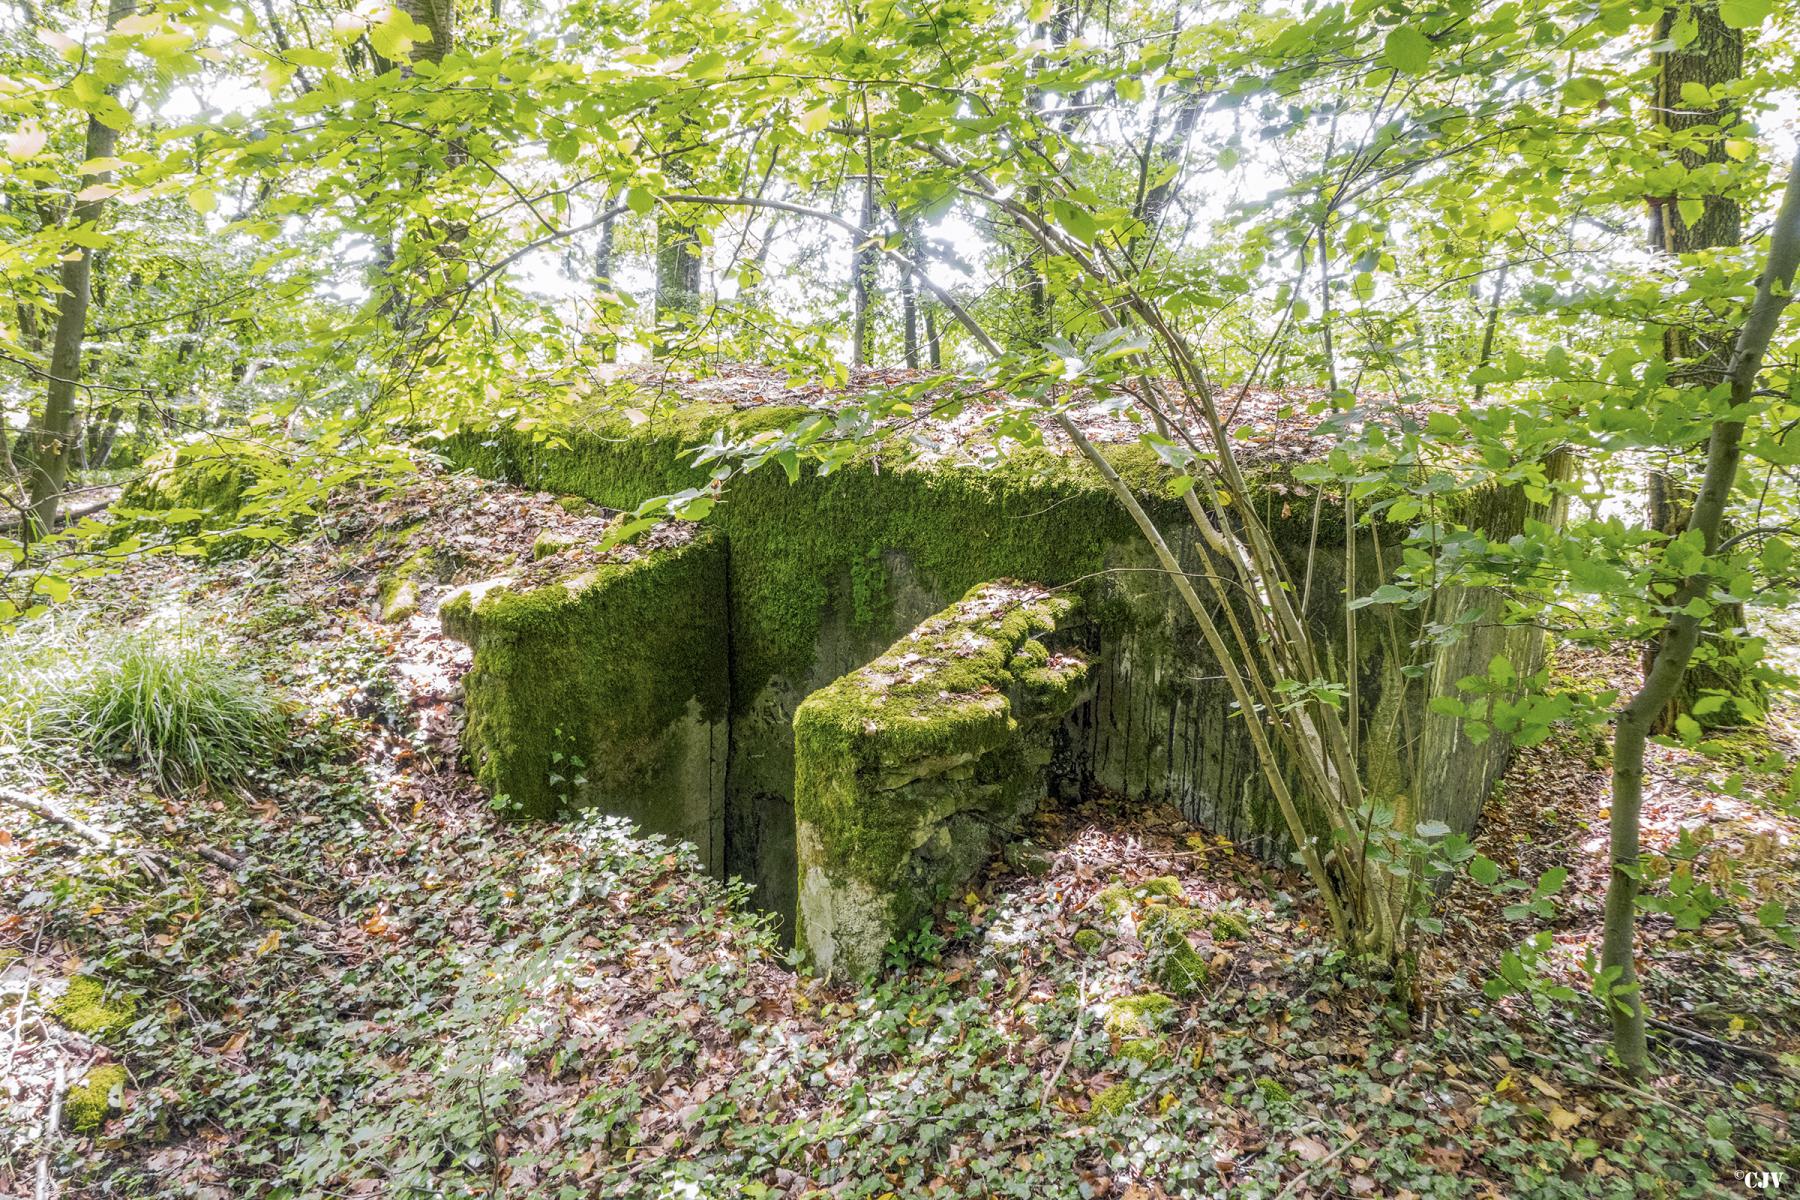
x=1745 y=14
x=1077 y=220
x=53 y=586
x=1500 y=671
x=1484 y=870
x=640 y=201
x=1406 y=50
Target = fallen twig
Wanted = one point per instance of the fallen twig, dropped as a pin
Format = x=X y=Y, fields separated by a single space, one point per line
x=1307 y=1170
x=52 y=1123
x=1074 y=1039
x=1684 y=1034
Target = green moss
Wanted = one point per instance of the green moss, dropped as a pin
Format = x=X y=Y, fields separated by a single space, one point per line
x=1114 y=1100
x=548 y=544
x=1089 y=941
x=398 y=592
x=85 y=1008
x=87 y=1104
x=1274 y=1093
x=1139 y=1015
x=210 y=477
x=1226 y=923
x=1144 y=1050
x=1118 y=899
x=798 y=549
x=941 y=698
x=1174 y=963
x=586 y=691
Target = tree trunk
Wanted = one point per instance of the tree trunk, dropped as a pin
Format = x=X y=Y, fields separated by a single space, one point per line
x=603 y=281
x=863 y=266
x=1715 y=56
x=909 y=295
x=439 y=16
x=677 y=267
x=1676 y=646
x=54 y=437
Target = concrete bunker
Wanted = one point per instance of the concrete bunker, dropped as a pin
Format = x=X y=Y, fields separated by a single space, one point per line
x=742 y=639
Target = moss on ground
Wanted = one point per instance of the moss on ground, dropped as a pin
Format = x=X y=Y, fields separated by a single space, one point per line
x=1226 y=923
x=85 y=1008
x=87 y=1103
x=1273 y=1092
x=1089 y=941
x=1137 y=1016
x=1173 y=961
x=1118 y=899
x=1114 y=1100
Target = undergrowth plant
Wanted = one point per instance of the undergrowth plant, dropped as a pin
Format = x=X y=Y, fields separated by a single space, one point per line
x=170 y=701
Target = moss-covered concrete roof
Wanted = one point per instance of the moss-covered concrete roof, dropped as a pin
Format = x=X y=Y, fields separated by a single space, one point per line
x=1268 y=426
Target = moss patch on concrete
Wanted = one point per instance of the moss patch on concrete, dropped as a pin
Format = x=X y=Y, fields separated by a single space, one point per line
x=906 y=769
x=605 y=687
x=397 y=594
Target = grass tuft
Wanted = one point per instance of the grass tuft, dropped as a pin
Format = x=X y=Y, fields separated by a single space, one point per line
x=167 y=701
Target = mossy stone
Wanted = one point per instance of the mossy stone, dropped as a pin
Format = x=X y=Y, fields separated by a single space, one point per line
x=548 y=544
x=604 y=688
x=907 y=769
x=84 y=1008
x=86 y=1105
x=1089 y=941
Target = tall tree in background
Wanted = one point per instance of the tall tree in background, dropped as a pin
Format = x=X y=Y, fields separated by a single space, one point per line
x=439 y=16
x=678 y=244
x=53 y=439
x=1697 y=124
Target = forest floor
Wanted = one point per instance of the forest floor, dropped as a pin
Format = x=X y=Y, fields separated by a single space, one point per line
x=396 y=993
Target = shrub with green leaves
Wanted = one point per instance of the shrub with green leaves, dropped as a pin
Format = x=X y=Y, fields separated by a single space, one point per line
x=171 y=702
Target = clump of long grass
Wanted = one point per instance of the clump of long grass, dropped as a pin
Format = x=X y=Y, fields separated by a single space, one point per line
x=170 y=702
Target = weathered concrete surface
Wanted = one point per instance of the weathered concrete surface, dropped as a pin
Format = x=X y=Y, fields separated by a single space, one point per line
x=910 y=770
x=604 y=687
x=822 y=575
